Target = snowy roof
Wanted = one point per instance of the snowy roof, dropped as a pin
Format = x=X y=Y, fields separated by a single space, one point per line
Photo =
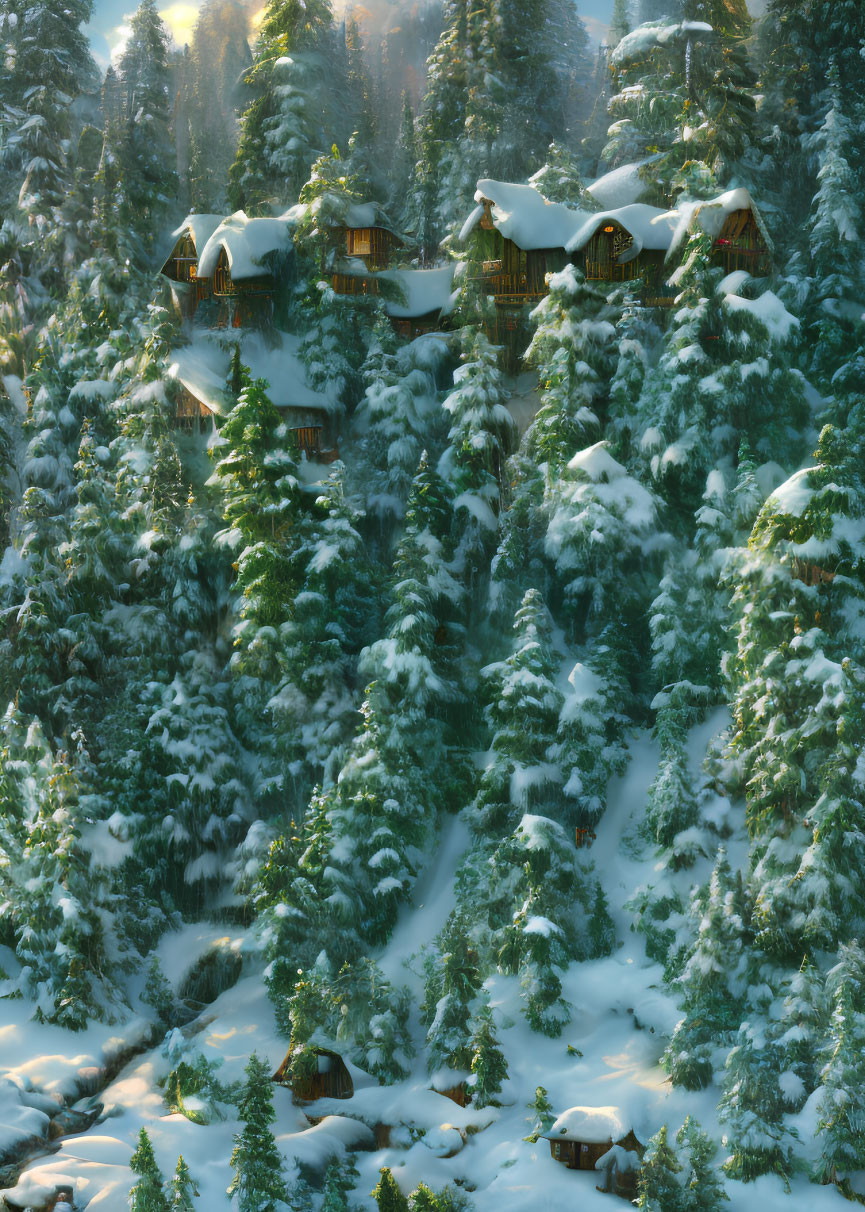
x=246 y=242
x=200 y=227
x=712 y=214
x=650 y=227
x=591 y=1125
x=524 y=215
x=335 y=210
x=622 y=186
x=202 y=367
x=425 y=290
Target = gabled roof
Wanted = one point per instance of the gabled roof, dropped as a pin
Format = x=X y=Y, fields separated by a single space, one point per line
x=523 y=215
x=199 y=227
x=202 y=367
x=711 y=215
x=650 y=227
x=246 y=242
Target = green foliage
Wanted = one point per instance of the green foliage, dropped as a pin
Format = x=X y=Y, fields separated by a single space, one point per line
x=258 y=1184
x=147 y=1194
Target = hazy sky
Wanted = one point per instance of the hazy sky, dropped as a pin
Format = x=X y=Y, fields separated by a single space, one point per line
x=107 y=27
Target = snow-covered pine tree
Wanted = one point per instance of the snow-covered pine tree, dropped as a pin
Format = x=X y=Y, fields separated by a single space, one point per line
x=482 y=436
x=47 y=66
x=542 y=1117
x=523 y=709
x=145 y=152
x=451 y=990
x=182 y=1190
x=752 y=1108
x=606 y=541
x=147 y=1195
x=290 y=118
x=659 y=1184
x=840 y=1107
x=572 y=349
x=713 y=979
x=489 y=1066
x=258 y=1184
x=702 y=1186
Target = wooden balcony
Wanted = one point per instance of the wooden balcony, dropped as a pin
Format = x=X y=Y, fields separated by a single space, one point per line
x=513 y=288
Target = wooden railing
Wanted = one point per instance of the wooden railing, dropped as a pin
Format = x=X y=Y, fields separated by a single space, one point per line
x=513 y=288
x=611 y=271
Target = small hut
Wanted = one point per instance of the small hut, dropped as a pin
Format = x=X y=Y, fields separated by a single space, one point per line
x=365 y=234
x=201 y=370
x=629 y=244
x=181 y=268
x=242 y=261
x=516 y=237
x=421 y=299
x=314 y=1073
x=740 y=239
x=581 y=1136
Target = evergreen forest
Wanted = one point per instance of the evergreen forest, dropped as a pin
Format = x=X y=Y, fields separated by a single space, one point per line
x=432 y=608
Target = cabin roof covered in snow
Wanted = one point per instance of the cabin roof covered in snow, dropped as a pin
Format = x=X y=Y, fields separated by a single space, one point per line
x=711 y=215
x=246 y=242
x=199 y=227
x=590 y=1125
x=523 y=215
x=650 y=227
x=424 y=290
x=202 y=367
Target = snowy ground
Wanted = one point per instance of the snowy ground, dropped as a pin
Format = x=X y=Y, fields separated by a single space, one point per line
x=621 y=1017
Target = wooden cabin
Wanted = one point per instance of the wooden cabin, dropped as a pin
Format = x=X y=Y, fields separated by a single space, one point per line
x=582 y=1136
x=513 y=275
x=191 y=414
x=181 y=268
x=372 y=245
x=315 y=1073
x=628 y=246
x=742 y=244
x=241 y=302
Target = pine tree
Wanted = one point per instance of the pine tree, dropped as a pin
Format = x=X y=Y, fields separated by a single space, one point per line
x=572 y=350
x=289 y=119
x=543 y=1116
x=144 y=151
x=182 y=1188
x=452 y=986
x=489 y=1067
x=702 y=1186
x=840 y=1106
x=147 y=1195
x=757 y=1140
x=659 y=1183
x=387 y=1194
x=258 y=1184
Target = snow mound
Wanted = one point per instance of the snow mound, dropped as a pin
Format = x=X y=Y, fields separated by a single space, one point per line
x=591 y=1125
x=622 y=186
